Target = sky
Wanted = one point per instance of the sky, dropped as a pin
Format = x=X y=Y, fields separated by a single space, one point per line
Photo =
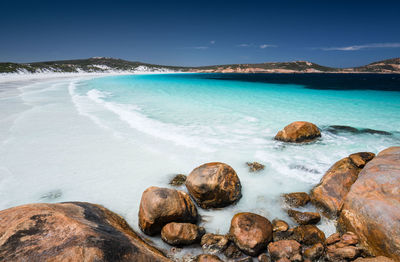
x=191 y=33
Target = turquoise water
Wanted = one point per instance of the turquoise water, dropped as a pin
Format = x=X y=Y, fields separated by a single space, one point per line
x=105 y=140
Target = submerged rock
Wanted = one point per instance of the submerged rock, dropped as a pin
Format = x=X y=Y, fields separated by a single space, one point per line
x=74 y=231
x=337 y=129
x=304 y=218
x=297 y=199
x=255 y=166
x=178 y=180
x=331 y=191
x=214 y=185
x=179 y=234
x=375 y=132
x=285 y=249
x=372 y=206
x=304 y=168
x=298 y=132
x=160 y=206
x=250 y=232
x=52 y=195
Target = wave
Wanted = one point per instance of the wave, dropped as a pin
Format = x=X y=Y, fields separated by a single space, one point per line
x=131 y=115
x=82 y=104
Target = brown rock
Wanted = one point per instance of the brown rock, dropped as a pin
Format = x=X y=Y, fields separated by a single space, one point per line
x=178 y=234
x=374 y=259
x=264 y=258
x=255 y=166
x=361 y=159
x=282 y=235
x=372 y=207
x=279 y=225
x=232 y=251
x=250 y=232
x=329 y=194
x=349 y=238
x=304 y=218
x=213 y=243
x=332 y=239
x=160 y=206
x=208 y=258
x=289 y=249
x=284 y=259
x=74 y=231
x=298 y=132
x=178 y=180
x=341 y=254
x=297 y=199
x=214 y=185
x=314 y=252
x=308 y=235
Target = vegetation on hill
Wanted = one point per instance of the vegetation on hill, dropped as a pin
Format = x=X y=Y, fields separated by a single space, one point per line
x=103 y=64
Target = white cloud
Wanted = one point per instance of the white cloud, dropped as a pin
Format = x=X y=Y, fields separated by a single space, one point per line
x=265 y=46
x=244 y=45
x=359 y=47
x=212 y=42
x=197 y=47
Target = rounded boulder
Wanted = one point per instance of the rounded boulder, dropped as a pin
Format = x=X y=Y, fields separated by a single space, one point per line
x=179 y=234
x=214 y=185
x=160 y=206
x=74 y=231
x=250 y=232
x=298 y=132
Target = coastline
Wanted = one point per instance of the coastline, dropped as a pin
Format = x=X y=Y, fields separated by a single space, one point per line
x=16 y=77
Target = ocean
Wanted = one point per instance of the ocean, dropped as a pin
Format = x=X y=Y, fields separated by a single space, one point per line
x=106 y=139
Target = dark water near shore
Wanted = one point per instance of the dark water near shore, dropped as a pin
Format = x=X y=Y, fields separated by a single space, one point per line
x=381 y=82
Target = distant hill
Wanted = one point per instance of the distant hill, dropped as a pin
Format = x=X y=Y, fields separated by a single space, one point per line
x=91 y=65
x=104 y=64
x=273 y=67
x=385 y=66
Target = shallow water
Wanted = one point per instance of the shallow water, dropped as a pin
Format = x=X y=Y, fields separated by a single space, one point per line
x=105 y=140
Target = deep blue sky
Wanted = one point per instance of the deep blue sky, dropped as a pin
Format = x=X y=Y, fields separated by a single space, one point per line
x=333 y=33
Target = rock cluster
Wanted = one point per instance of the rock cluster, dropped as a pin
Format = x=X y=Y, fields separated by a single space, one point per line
x=361 y=189
x=342 y=248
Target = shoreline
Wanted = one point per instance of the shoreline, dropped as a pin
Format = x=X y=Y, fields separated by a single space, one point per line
x=16 y=77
